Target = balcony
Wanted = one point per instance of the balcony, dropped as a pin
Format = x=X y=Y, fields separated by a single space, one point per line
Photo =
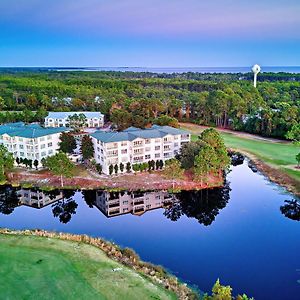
x=138 y=202
x=112 y=205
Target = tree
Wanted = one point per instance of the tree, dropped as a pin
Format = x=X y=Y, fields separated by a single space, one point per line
x=121 y=167
x=298 y=159
x=87 y=147
x=116 y=168
x=222 y=292
x=165 y=120
x=6 y=162
x=67 y=142
x=294 y=134
x=128 y=167
x=77 y=121
x=30 y=163
x=173 y=170
x=99 y=168
x=60 y=165
x=188 y=153
x=205 y=162
x=41 y=114
x=121 y=118
x=111 y=169
x=18 y=161
x=36 y=163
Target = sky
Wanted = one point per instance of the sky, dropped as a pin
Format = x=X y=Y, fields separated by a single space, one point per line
x=149 y=33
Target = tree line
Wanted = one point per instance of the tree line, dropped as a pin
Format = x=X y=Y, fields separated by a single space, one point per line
x=128 y=98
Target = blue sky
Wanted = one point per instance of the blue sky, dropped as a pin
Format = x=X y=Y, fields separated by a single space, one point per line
x=156 y=33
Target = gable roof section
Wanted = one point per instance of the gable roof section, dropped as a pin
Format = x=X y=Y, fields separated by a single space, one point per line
x=29 y=131
x=66 y=114
x=133 y=133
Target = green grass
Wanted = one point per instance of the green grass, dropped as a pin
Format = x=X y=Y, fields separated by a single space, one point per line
x=281 y=155
x=43 y=268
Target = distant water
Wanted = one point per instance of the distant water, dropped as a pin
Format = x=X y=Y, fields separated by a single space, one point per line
x=184 y=70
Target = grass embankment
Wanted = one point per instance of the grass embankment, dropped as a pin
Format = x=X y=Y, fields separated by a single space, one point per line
x=280 y=156
x=34 y=267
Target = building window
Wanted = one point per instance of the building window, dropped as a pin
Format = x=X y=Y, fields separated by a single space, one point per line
x=124 y=151
x=50 y=151
x=21 y=146
x=42 y=139
x=43 y=146
x=49 y=144
x=147 y=156
x=138 y=143
x=147 y=141
x=21 y=153
x=147 y=149
x=157 y=155
x=43 y=154
x=124 y=144
x=157 y=147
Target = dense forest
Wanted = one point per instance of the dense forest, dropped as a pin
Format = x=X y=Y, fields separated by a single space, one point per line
x=140 y=99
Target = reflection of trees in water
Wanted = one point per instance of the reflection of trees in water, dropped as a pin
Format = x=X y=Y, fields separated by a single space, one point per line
x=8 y=199
x=89 y=196
x=291 y=209
x=64 y=209
x=203 y=205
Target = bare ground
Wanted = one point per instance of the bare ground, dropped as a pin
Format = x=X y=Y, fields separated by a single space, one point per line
x=139 y=181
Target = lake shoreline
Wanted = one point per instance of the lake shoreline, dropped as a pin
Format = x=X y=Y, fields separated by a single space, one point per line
x=138 y=181
x=127 y=257
x=273 y=174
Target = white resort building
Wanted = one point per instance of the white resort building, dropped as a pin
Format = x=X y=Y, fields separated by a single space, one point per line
x=61 y=119
x=136 y=145
x=30 y=141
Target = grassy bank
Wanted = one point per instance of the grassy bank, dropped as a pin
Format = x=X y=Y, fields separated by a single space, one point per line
x=278 y=155
x=34 y=267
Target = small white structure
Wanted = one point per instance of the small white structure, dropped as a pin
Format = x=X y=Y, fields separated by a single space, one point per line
x=61 y=119
x=136 y=145
x=255 y=69
x=30 y=141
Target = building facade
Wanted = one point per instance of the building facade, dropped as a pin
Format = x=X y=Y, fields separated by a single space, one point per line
x=61 y=119
x=30 y=141
x=136 y=145
x=119 y=203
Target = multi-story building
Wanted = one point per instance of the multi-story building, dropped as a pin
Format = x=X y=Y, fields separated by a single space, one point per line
x=61 y=119
x=119 y=203
x=30 y=141
x=136 y=145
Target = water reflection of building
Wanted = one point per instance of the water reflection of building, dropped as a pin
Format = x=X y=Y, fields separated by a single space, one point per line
x=118 y=203
x=38 y=199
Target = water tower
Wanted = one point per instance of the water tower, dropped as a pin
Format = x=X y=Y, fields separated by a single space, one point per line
x=255 y=70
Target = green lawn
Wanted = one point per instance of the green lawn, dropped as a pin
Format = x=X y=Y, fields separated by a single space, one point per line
x=281 y=155
x=43 y=268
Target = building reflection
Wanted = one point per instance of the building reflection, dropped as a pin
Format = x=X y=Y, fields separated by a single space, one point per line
x=37 y=198
x=137 y=203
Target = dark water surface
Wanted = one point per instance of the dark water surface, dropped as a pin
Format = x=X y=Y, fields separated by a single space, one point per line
x=245 y=234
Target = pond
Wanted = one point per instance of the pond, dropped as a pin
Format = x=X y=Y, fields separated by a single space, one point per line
x=246 y=234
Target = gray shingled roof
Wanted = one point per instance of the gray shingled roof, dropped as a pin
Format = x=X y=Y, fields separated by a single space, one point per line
x=133 y=133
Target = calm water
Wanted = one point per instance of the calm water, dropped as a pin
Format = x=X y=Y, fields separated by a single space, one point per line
x=245 y=234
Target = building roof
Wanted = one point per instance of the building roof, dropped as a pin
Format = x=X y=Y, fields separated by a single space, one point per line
x=30 y=131
x=66 y=114
x=133 y=133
